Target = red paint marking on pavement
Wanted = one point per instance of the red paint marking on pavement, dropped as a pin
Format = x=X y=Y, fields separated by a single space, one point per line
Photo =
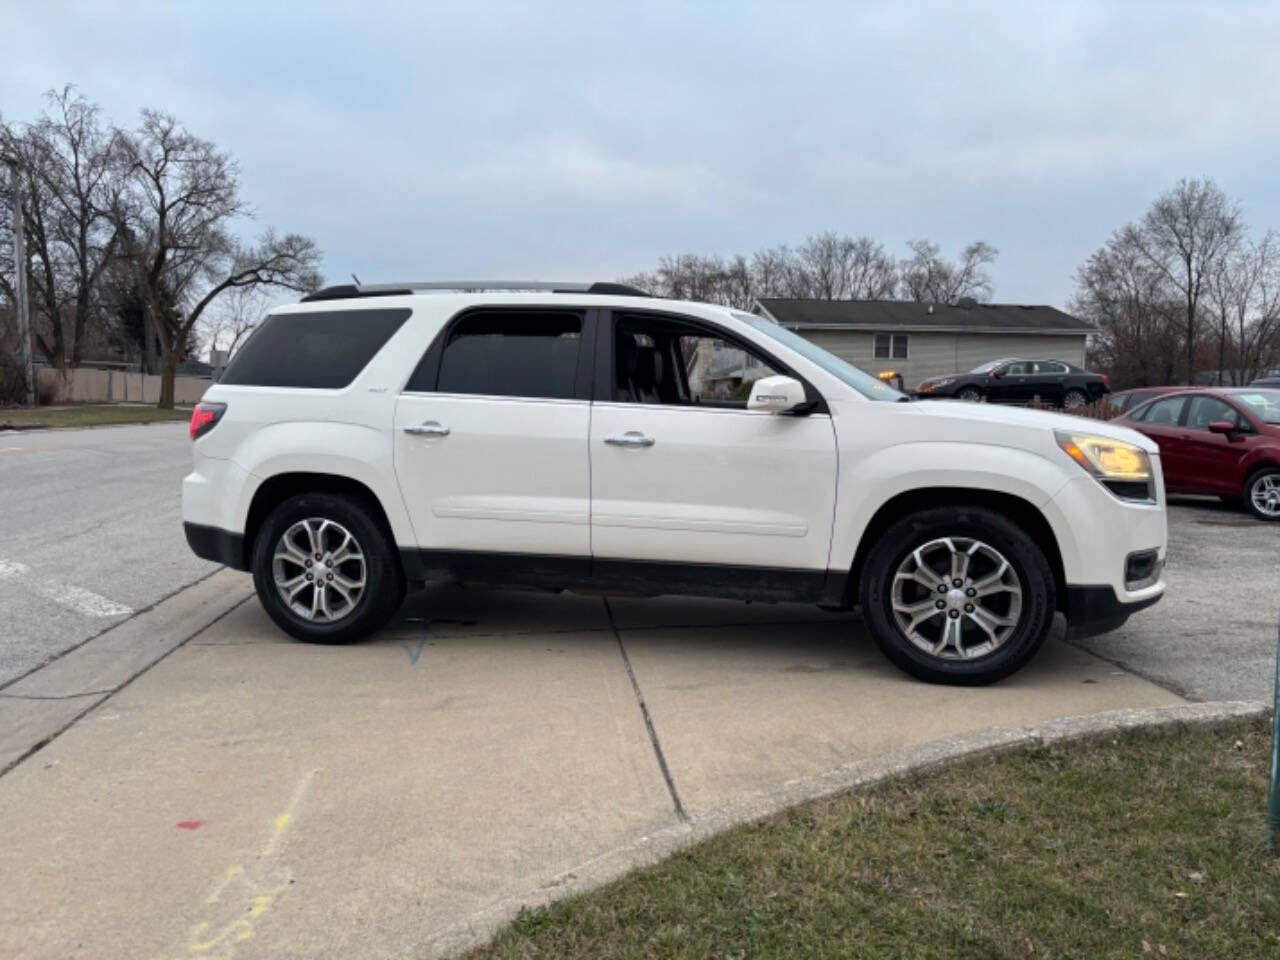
x=190 y=824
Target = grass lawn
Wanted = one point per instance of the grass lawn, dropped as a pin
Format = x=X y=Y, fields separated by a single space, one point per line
x=1149 y=845
x=88 y=415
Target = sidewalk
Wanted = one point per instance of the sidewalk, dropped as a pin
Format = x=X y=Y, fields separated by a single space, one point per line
x=249 y=796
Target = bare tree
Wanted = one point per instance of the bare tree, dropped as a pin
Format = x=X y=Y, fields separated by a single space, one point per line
x=174 y=220
x=229 y=322
x=1184 y=236
x=927 y=277
x=70 y=175
x=838 y=267
x=1244 y=299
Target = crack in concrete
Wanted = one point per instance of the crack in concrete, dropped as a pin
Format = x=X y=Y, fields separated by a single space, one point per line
x=65 y=696
x=681 y=815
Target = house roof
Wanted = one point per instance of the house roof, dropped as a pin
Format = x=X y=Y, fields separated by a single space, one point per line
x=899 y=315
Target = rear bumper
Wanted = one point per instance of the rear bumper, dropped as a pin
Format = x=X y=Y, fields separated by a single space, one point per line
x=216 y=544
x=1095 y=608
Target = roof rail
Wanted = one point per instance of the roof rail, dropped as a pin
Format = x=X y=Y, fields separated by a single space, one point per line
x=349 y=291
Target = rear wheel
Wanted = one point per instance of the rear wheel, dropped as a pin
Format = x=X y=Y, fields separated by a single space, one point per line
x=957 y=595
x=1262 y=493
x=972 y=394
x=325 y=568
x=1074 y=400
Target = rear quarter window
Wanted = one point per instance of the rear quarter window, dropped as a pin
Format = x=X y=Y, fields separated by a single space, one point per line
x=313 y=350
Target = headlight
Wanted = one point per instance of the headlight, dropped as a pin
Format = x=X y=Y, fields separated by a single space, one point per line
x=1123 y=468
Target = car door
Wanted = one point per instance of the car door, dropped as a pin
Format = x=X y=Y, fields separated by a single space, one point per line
x=491 y=436
x=1214 y=462
x=1008 y=383
x=1044 y=380
x=687 y=482
x=1162 y=422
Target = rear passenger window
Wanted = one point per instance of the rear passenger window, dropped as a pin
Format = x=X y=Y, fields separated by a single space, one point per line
x=530 y=353
x=317 y=350
x=1164 y=412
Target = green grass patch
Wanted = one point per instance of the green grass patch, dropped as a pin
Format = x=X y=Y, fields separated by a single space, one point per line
x=1146 y=845
x=88 y=415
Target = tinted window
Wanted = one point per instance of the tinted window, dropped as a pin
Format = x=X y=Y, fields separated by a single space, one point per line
x=1049 y=367
x=1164 y=412
x=1206 y=410
x=321 y=350
x=512 y=353
x=1017 y=370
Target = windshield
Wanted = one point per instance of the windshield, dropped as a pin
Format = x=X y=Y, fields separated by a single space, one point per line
x=988 y=366
x=1263 y=404
x=864 y=383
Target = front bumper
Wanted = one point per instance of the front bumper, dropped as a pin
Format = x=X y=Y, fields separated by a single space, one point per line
x=1094 y=608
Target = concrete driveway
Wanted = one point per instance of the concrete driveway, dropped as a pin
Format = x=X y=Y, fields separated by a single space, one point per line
x=249 y=796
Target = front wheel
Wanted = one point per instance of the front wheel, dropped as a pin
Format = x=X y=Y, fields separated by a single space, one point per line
x=957 y=595
x=972 y=394
x=325 y=568
x=1262 y=493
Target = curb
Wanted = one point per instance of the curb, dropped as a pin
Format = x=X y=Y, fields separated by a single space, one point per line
x=478 y=928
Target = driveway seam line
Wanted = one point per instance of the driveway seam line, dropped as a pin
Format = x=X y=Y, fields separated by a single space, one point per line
x=681 y=815
x=107 y=629
x=36 y=748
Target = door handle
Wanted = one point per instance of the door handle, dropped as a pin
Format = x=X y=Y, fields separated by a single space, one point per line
x=632 y=438
x=429 y=429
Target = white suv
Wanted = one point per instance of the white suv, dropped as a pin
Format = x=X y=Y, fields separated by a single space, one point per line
x=572 y=436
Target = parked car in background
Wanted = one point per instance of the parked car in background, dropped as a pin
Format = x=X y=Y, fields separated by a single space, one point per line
x=1223 y=441
x=1273 y=382
x=1014 y=380
x=1130 y=399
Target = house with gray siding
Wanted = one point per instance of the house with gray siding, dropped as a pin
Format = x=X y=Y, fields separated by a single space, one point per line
x=922 y=340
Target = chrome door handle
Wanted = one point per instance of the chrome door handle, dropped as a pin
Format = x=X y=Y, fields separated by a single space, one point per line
x=429 y=429
x=632 y=438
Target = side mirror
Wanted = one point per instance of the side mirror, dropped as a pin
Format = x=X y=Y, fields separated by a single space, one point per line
x=776 y=394
x=1228 y=429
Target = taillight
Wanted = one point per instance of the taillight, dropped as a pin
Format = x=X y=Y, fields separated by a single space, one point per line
x=1106 y=381
x=205 y=417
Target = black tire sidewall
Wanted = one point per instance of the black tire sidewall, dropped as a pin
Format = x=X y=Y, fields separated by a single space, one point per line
x=1253 y=478
x=384 y=580
x=1029 y=563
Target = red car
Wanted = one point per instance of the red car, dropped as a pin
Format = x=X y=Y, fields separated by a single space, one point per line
x=1129 y=399
x=1223 y=440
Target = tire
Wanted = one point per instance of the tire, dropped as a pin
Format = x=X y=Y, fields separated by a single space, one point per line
x=1074 y=400
x=1262 y=493
x=1011 y=645
x=971 y=394
x=328 y=517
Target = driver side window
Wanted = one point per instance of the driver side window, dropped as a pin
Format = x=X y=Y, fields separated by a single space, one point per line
x=662 y=361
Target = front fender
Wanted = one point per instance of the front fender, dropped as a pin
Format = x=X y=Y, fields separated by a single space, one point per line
x=356 y=452
x=868 y=481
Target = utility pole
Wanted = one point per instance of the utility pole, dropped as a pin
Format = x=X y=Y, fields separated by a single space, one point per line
x=23 y=306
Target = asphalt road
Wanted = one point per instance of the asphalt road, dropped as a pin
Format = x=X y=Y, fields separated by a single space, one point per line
x=1213 y=636
x=90 y=533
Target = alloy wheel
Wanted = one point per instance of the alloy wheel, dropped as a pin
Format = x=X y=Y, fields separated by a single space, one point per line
x=1265 y=494
x=1073 y=401
x=319 y=570
x=970 y=394
x=956 y=598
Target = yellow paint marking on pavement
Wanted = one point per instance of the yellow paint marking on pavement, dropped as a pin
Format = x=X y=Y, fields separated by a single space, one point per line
x=242 y=912
x=283 y=820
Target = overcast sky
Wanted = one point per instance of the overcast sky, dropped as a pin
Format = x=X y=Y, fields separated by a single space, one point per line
x=584 y=140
